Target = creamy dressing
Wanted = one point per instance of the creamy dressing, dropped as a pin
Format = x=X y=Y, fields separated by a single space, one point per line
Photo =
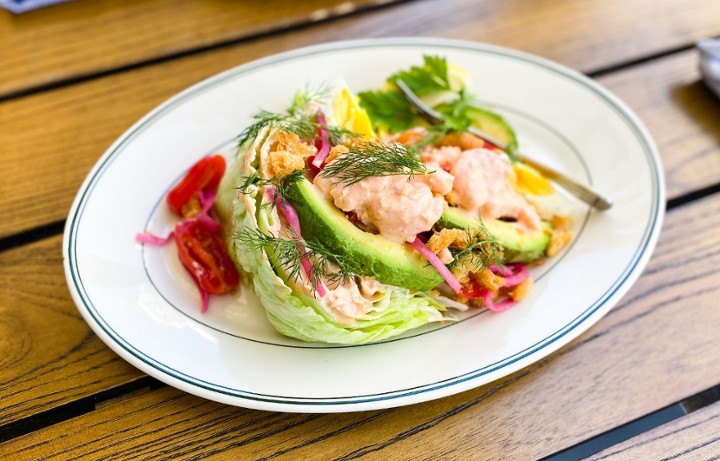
x=396 y=208
x=350 y=300
x=445 y=156
x=483 y=184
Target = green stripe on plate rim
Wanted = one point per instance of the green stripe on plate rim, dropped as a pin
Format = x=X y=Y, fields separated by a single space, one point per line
x=649 y=234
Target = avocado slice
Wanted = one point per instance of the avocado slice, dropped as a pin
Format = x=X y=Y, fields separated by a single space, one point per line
x=488 y=122
x=494 y=125
x=519 y=246
x=367 y=254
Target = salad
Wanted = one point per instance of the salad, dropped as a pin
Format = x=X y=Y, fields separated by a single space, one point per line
x=357 y=221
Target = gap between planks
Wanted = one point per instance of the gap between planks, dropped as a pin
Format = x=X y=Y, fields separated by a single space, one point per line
x=301 y=25
x=305 y=23
x=76 y=408
x=55 y=228
x=638 y=426
x=90 y=403
x=583 y=449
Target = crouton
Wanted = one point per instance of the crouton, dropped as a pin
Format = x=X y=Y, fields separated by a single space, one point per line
x=282 y=163
x=486 y=278
x=559 y=238
x=561 y=222
x=290 y=142
x=446 y=237
x=519 y=292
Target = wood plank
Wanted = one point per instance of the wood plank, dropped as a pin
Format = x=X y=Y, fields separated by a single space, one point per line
x=48 y=355
x=85 y=37
x=51 y=140
x=78 y=38
x=695 y=436
x=648 y=352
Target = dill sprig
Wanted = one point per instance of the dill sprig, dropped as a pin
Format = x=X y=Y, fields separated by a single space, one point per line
x=481 y=249
x=304 y=97
x=338 y=135
x=296 y=119
x=290 y=250
x=260 y=120
x=253 y=181
x=287 y=251
x=374 y=159
x=303 y=125
x=326 y=264
x=249 y=183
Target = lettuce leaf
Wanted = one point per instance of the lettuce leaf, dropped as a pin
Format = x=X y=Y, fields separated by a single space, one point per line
x=292 y=311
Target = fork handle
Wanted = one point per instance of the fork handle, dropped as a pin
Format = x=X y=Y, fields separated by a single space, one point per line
x=587 y=194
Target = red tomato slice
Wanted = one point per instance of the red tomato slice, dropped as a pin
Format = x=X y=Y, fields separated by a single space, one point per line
x=203 y=253
x=204 y=175
x=471 y=290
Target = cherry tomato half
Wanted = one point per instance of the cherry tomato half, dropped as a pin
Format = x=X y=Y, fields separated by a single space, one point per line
x=204 y=255
x=204 y=175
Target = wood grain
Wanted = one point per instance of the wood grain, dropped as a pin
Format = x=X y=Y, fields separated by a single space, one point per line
x=695 y=436
x=51 y=140
x=682 y=115
x=86 y=37
x=657 y=347
x=48 y=355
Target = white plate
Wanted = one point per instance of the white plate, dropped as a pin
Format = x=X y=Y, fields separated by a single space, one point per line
x=141 y=303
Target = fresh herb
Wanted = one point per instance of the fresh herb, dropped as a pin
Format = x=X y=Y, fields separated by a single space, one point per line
x=304 y=97
x=455 y=114
x=303 y=125
x=388 y=110
x=374 y=159
x=293 y=120
x=460 y=114
x=290 y=250
x=260 y=120
x=337 y=135
x=254 y=180
x=326 y=264
x=431 y=77
x=481 y=249
x=248 y=183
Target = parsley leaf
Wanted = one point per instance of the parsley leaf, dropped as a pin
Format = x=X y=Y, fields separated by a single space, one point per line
x=455 y=117
x=388 y=110
x=431 y=77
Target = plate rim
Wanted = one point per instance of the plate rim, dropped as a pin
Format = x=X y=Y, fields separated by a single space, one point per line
x=448 y=386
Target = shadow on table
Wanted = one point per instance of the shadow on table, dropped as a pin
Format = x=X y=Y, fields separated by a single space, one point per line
x=700 y=104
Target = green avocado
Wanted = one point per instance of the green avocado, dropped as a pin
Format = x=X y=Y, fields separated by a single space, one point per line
x=368 y=254
x=488 y=122
x=519 y=246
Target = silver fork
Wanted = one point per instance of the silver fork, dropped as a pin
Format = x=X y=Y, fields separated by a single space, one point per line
x=585 y=193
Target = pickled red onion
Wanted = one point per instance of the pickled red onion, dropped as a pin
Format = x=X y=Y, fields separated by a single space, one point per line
x=207 y=200
x=324 y=139
x=514 y=274
x=152 y=239
x=433 y=259
x=487 y=300
x=293 y=221
x=204 y=295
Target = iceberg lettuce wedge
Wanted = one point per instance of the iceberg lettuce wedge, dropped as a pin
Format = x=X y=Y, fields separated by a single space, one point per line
x=292 y=309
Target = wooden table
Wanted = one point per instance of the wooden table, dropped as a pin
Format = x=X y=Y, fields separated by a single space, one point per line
x=643 y=383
